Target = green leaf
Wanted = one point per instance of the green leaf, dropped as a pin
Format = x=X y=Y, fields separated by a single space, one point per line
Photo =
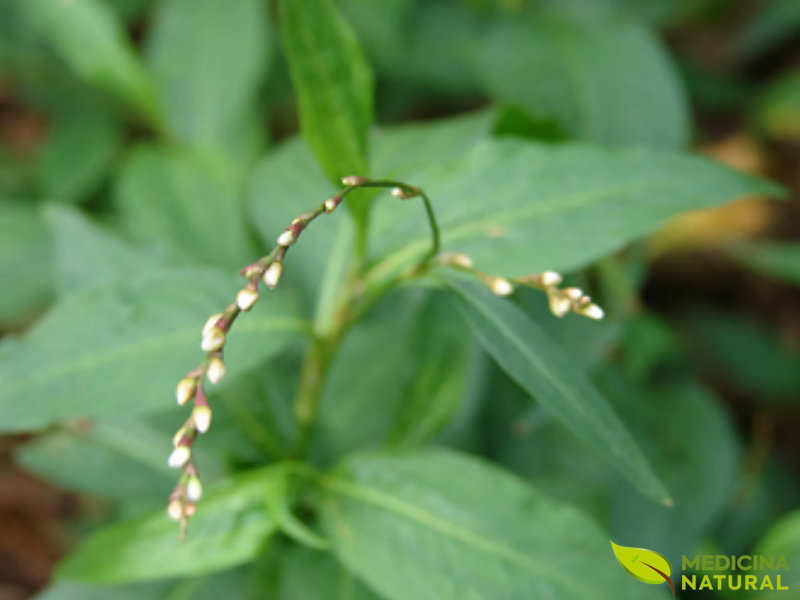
x=518 y=207
x=288 y=181
x=209 y=57
x=77 y=155
x=780 y=260
x=182 y=202
x=88 y=254
x=537 y=364
x=745 y=353
x=777 y=21
x=588 y=342
x=437 y=525
x=444 y=375
x=87 y=464
x=409 y=147
x=75 y=590
x=310 y=575
x=691 y=441
x=26 y=254
x=779 y=107
x=120 y=347
x=228 y=584
x=228 y=529
x=422 y=49
x=416 y=384
x=87 y=37
x=359 y=406
x=587 y=93
x=783 y=540
x=285 y=183
x=333 y=84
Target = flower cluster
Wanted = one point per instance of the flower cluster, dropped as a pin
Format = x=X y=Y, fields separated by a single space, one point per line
x=191 y=387
x=561 y=300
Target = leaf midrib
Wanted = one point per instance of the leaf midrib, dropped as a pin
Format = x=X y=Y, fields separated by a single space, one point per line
x=508 y=217
x=452 y=530
x=566 y=393
x=105 y=356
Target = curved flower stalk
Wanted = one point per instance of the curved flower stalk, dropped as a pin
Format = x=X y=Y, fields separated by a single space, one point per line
x=560 y=300
x=268 y=269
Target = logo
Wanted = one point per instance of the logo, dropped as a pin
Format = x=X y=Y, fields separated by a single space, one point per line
x=706 y=571
x=645 y=565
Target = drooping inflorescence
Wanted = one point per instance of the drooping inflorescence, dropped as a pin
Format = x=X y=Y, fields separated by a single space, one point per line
x=214 y=336
x=560 y=300
x=269 y=269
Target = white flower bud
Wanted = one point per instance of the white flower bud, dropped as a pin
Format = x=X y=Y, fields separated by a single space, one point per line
x=216 y=370
x=175 y=510
x=559 y=302
x=352 y=180
x=273 y=274
x=212 y=321
x=286 y=238
x=550 y=278
x=194 y=489
x=500 y=286
x=246 y=298
x=455 y=259
x=573 y=293
x=213 y=340
x=593 y=311
x=179 y=457
x=331 y=204
x=201 y=415
x=185 y=390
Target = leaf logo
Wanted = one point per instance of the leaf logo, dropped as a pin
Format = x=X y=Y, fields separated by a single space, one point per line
x=645 y=565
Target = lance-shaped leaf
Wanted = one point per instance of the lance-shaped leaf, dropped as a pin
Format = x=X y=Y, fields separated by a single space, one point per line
x=586 y=93
x=333 y=84
x=26 y=255
x=119 y=347
x=89 y=39
x=187 y=202
x=782 y=540
x=438 y=525
x=520 y=207
x=209 y=57
x=229 y=528
x=526 y=353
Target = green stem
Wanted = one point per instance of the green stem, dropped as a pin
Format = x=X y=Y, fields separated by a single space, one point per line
x=323 y=347
x=413 y=192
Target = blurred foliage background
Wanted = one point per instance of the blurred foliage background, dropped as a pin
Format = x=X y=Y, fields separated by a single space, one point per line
x=137 y=112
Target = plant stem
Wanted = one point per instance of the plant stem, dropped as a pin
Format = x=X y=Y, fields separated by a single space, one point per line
x=324 y=345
